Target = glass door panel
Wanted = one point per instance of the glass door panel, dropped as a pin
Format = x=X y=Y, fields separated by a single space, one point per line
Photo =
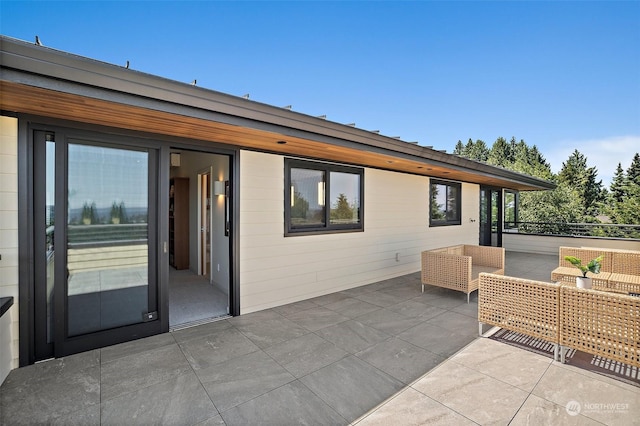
x=107 y=250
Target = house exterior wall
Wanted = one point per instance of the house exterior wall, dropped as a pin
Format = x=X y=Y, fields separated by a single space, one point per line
x=9 y=242
x=275 y=270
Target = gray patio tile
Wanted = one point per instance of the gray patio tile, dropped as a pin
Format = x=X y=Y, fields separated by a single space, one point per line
x=455 y=322
x=351 y=386
x=39 y=401
x=216 y=420
x=381 y=299
x=596 y=399
x=292 y=404
x=352 y=336
x=403 y=290
x=400 y=359
x=215 y=348
x=330 y=298
x=89 y=416
x=474 y=395
x=607 y=379
x=254 y=317
x=238 y=380
x=354 y=291
x=305 y=354
x=316 y=318
x=447 y=299
x=180 y=400
x=134 y=372
x=506 y=363
x=411 y=407
x=51 y=370
x=437 y=339
x=538 y=411
x=352 y=307
x=296 y=307
x=268 y=329
x=381 y=285
x=114 y=352
x=468 y=309
x=200 y=331
x=388 y=321
x=413 y=309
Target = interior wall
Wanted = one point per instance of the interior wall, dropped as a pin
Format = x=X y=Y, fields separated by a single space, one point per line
x=9 y=242
x=192 y=163
x=275 y=270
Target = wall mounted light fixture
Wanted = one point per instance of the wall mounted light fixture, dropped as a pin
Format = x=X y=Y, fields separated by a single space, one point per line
x=219 y=187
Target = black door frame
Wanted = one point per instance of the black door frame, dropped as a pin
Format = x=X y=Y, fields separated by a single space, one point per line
x=486 y=229
x=63 y=344
x=27 y=125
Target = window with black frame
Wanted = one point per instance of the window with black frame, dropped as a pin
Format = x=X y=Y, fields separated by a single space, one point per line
x=510 y=209
x=322 y=197
x=444 y=203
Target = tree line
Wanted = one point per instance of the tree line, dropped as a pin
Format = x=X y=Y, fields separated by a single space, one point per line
x=579 y=196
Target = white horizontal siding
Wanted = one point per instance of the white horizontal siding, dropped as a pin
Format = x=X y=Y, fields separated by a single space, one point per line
x=9 y=242
x=275 y=270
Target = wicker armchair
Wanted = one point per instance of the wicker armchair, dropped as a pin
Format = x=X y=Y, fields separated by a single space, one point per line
x=458 y=267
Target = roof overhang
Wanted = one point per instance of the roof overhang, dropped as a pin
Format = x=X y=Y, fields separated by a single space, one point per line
x=44 y=82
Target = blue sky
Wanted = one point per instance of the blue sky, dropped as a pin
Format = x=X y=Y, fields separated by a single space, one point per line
x=560 y=75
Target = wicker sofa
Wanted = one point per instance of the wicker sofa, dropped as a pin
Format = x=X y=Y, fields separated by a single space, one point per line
x=601 y=323
x=524 y=306
x=458 y=267
x=619 y=271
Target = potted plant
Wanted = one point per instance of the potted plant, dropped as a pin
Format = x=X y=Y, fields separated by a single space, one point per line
x=593 y=266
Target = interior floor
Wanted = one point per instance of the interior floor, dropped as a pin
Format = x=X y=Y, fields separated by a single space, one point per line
x=192 y=298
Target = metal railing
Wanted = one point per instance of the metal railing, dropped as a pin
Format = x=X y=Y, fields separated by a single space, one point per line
x=603 y=230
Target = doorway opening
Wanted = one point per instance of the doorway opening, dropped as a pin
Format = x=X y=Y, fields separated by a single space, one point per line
x=490 y=216
x=199 y=259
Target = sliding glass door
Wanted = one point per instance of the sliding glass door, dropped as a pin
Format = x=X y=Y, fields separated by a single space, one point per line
x=95 y=216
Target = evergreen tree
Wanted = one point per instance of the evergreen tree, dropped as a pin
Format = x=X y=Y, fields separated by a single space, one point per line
x=500 y=155
x=582 y=179
x=617 y=186
x=459 y=149
x=592 y=194
x=572 y=172
x=633 y=172
x=630 y=213
x=342 y=209
x=479 y=151
x=468 y=149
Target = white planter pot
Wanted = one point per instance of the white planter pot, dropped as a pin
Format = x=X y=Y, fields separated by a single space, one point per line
x=582 y=282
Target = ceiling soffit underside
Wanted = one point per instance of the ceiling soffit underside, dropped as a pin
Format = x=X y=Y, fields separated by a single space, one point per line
x=21 y=98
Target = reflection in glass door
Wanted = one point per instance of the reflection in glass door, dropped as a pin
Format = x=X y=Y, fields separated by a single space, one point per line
x=107 y=238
